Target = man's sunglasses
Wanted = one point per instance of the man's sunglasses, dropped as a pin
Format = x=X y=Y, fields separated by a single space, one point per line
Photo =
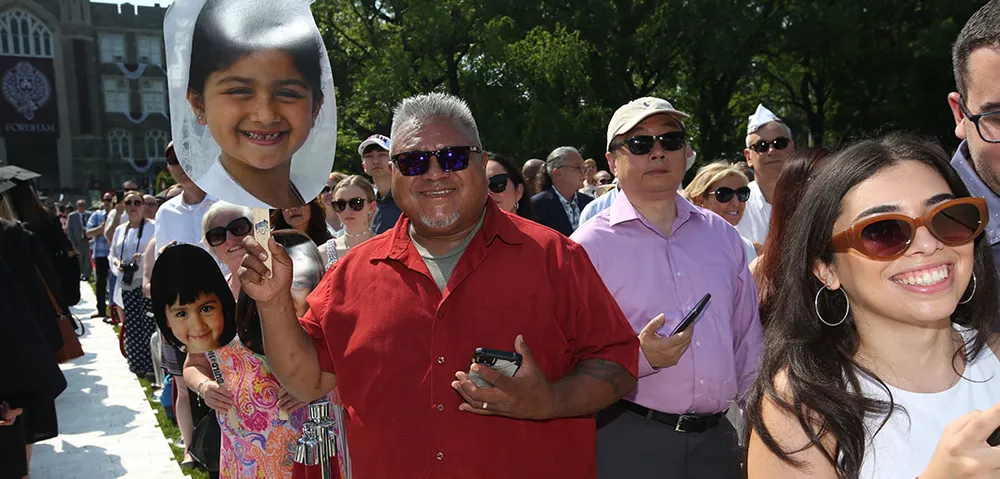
x=886 y=237
x=356 y=204
x=643 y=144
x=452 y=158
x=725 y=194
x=498 y=183
x=762 y=146
x=238 y=227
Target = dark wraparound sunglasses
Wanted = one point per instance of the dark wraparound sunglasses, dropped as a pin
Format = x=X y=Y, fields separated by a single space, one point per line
x=452 y=158
x=498 y=183
x=886 y=237
x=238 y=227
x=779 y=143
x=643 y=144
x=356 y=204
x=725 y=194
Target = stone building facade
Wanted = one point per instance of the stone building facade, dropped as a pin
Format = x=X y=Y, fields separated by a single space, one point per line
x=84 y=93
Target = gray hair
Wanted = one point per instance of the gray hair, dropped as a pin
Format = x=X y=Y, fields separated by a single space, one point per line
x=415 y=111
x=788 y=131
x=219 y=208
x=557 y=159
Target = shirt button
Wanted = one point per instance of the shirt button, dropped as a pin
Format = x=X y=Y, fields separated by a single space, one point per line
x=678 y=273
x=440 y=314
x=701 y=381
x=697 y=343
x=439 y=407
x=440 y=359
x=440 y=456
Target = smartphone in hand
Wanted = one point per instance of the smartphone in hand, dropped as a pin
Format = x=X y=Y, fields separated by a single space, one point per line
x=692 y=316
x=505 y=362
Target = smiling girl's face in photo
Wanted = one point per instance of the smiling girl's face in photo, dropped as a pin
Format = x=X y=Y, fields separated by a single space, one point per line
x=259 y=109
x=197 y=324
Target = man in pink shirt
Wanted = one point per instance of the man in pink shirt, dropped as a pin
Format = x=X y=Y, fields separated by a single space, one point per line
x=659 y=255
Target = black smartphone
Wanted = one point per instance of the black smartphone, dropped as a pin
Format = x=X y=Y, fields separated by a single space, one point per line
x=693 y=315
x=994 y=438
x=505 y=362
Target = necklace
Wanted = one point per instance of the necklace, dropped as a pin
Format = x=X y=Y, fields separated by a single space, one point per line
x=357 y=235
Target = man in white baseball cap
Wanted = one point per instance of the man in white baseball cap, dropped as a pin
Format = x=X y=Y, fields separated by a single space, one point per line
x=659 y=255
x=769 y=143
x=374 y=152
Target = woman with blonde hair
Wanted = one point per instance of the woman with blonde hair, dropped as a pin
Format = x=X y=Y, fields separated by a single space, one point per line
x=722 y=189
x=354 y=203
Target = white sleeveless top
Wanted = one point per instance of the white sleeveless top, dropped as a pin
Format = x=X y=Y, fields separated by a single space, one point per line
x=904 y=446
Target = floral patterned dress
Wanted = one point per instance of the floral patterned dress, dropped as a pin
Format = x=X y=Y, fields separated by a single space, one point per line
x=256 y=442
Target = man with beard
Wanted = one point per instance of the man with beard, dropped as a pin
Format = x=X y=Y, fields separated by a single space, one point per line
x=450 y=278
x=976 y=107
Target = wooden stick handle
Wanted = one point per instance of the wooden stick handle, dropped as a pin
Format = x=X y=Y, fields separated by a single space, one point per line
x=262 y=230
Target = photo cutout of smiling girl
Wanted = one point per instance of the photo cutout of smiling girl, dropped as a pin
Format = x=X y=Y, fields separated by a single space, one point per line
x=193 y=306
x=307 y=271
x=252 y=104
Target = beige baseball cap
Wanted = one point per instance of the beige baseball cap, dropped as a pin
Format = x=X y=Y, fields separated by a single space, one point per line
x=633 y=112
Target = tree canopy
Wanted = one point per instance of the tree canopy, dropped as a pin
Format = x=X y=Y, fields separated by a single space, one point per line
x=542 y=74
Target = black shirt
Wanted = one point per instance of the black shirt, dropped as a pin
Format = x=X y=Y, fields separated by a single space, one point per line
x=386 y=214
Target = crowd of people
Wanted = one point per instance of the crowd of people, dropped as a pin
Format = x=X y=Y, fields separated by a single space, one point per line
x=801 y=313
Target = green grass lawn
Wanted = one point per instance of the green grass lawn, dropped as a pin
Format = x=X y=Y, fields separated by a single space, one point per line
x=170 y=431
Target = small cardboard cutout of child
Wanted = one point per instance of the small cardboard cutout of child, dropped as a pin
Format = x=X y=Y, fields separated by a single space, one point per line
x=193 y=306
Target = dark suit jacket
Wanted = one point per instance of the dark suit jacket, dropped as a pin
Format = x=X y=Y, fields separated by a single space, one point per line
x=549 y=210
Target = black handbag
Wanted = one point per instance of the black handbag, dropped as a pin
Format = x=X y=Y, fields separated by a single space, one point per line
x=206 y=441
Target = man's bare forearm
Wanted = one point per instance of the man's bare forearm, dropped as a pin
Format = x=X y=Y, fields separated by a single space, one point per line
x=592 y=385
x=291 y=353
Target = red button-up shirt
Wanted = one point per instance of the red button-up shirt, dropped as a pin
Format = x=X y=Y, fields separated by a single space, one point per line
x=395 y=341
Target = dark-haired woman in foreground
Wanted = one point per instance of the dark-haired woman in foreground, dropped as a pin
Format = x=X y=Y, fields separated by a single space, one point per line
x=881 y=329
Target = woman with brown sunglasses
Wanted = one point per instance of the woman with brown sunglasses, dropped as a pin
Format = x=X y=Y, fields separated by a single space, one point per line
x=881 y=334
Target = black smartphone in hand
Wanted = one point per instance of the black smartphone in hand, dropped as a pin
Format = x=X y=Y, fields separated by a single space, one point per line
x=505 y=362
x=994 y=438
x=693 y=315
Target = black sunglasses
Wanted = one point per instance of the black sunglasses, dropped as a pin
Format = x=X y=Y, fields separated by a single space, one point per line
x=643 y=144
x=452 y=158
x=238 y=227
x=779 y=143
x=987 y=123
x=133 y=203
x=356 y=204
x=725 y=194
x=498 y=183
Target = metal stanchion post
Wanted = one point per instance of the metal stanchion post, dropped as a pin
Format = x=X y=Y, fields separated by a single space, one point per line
x=317 y=444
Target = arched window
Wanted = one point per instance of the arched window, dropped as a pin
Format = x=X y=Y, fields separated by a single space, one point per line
x=24 y=35
x=156 y=143
x=120 y=144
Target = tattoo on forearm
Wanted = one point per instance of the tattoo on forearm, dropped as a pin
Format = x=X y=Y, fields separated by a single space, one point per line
x=608 y=372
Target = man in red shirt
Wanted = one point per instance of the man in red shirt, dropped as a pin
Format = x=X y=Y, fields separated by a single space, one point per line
x=395 y=323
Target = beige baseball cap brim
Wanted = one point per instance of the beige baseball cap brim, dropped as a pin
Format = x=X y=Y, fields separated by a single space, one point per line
x=633 y=112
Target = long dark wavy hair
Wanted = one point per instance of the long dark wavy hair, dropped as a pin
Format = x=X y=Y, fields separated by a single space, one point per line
x=315 y=229
x=822 y=387
x=795 y=175
x=517 y=179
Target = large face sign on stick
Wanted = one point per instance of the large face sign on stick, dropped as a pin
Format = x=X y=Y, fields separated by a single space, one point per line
x=252 y=106
x=193 y=306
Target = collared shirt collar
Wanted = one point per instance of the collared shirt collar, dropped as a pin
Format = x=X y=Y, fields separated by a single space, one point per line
x=496 y=224
x=623 y=211
x=961 y=163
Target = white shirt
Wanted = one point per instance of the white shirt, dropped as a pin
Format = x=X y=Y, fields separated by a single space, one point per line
x=756 y=216
x=181 y=222
x=124 y=245
x=219 y=183
x=904 y=446
x=748 y=250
